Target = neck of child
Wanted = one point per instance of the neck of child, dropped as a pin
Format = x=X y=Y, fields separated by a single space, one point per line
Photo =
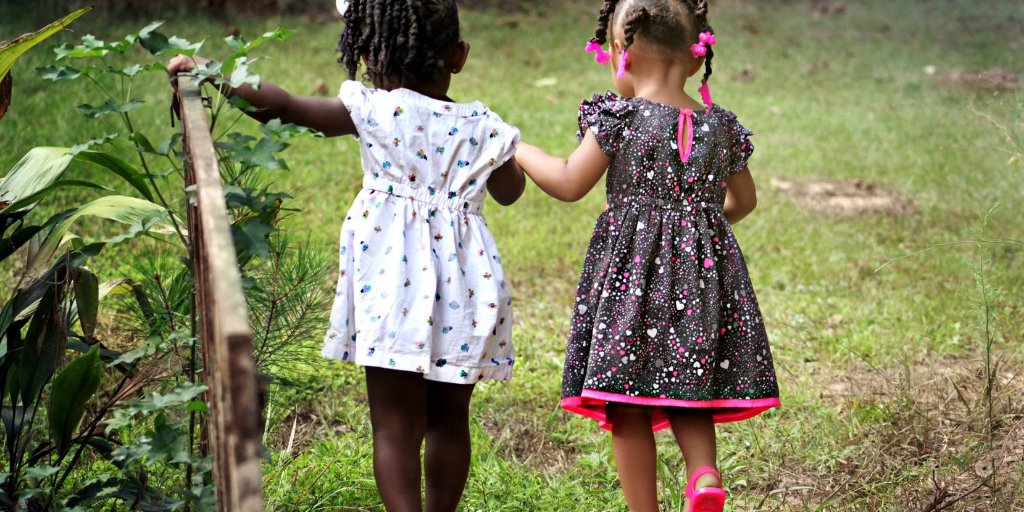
x=436 y=88
x=663 y=80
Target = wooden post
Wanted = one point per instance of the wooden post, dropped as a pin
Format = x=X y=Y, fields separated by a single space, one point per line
x=234 y=429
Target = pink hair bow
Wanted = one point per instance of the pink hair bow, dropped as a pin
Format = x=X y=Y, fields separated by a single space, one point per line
x=700 y=49
x=600 y=56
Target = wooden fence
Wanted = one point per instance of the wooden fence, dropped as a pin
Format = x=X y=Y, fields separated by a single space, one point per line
x=234 y=428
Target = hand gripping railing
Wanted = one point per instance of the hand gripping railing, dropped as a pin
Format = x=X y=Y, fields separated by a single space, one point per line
x=234 y=430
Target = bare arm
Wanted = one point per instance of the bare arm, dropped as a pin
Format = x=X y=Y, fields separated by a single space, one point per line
x=567 y=180
x=740 y=197
x=326 y=115
x=507 y=183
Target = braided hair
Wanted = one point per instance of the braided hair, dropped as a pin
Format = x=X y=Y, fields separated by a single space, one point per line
x=403 y=41
x=658 y=22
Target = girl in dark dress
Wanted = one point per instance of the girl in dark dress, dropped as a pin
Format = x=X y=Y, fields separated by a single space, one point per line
x=666 y=330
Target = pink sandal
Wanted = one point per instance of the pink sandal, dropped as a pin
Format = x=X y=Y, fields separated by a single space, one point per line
x=705 y=499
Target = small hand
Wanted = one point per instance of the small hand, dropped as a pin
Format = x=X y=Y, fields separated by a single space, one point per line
x=183 y=64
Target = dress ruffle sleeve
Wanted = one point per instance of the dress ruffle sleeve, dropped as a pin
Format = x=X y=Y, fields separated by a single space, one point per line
x=607 y=117
x=739 y=145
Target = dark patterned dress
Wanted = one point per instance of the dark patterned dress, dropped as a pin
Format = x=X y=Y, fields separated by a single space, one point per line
x=665 y=312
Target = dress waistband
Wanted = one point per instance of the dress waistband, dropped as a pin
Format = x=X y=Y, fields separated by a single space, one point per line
x=427 y=195
x=619 y=201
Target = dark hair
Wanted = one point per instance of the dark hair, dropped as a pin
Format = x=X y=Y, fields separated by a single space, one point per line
x=404 y=41
x=672 y=25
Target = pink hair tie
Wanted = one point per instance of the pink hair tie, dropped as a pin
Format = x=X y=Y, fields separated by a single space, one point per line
x=705 y=94
x=622 y=64
x=600 y=56
x=700 y=49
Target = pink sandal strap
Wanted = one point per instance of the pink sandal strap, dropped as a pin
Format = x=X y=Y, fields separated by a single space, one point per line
x=691 y=485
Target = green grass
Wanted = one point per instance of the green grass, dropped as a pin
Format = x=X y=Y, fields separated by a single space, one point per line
x=867 y=359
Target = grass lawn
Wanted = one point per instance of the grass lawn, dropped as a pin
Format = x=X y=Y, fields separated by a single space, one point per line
x=881 y=370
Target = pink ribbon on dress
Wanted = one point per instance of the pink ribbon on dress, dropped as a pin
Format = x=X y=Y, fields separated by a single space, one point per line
x=685 y=123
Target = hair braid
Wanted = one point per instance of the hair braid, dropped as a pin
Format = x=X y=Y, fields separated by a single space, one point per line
x=700 y=11
x=636 y=20
x=403 y=41
x=604 y=21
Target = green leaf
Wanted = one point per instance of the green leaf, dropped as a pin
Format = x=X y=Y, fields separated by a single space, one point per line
x=63 y=73
x=108 y=107
x=27 y=203
x=159 y=45
x=142 y=143
x=262 y=155
x=168 y=146
x=38 y=473
x=239 y=75
x=181 y=394
x=85 y=146
x=198 y=406
x=168 y=442
x=38 y=169
x=126 y=171
x=71 y=391
x=44 y=340
x=122 y=209
x=11 y=52
x=87 y=298
x=251 y=238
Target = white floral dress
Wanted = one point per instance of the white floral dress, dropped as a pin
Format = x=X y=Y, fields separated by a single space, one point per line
x=421 y=286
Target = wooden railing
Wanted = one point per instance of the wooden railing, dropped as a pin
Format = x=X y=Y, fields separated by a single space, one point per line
x=233 y=430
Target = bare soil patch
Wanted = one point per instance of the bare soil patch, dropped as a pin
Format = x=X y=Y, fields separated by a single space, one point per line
x=990 y=80
x=932 y=418
x=844 y=198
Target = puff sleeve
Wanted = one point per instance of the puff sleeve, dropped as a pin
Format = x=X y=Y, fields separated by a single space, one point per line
x=738 y=145
x=607 y=116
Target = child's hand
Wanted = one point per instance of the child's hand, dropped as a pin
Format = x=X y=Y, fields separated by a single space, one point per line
x=183 y=64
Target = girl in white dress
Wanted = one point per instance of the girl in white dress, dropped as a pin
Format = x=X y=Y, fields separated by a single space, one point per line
x=421 y=302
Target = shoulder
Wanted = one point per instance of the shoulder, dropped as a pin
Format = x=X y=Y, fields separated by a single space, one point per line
x=729 y=122
x=609 y=104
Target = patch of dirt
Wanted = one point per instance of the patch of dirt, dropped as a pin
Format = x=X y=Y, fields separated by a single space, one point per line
x=821 y=9
x=844 y=198
x=933 y=421
x=526 y=440
x=990 y=80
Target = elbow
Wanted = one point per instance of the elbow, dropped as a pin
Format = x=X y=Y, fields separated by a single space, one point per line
x=570 y=196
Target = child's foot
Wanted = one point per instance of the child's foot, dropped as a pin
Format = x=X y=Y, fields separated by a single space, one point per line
x=704 y=491
x=707 y=480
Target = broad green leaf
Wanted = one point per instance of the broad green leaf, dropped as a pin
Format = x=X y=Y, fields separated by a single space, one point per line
x=38 y=473
x=87 y=298
x=126 y=171
x=11 y=52
x=108 y=107
x=30 y=201
x=38 y=169
x=6 y=90
x=71 y=391
x=44 y=340
x=122 y=209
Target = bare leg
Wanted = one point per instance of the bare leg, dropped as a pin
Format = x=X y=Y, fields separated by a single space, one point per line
x=448 y=445
x=398 y=403
x=635 y=455
x=695 y=433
